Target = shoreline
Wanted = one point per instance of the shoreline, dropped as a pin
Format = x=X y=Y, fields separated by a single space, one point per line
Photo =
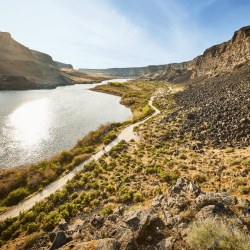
x=126 y=134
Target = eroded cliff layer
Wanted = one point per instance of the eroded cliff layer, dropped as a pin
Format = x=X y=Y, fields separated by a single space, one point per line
x=216 y=60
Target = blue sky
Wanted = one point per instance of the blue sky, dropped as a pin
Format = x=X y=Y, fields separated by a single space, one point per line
x=123 y=33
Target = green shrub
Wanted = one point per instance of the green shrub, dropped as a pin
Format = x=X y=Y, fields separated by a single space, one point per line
x=77 y=201
x=69 y=186
x=106 y=141
x=108 y=138
x=32 y=227
x=164 y=175
x=107 y=211
x=74 y=195
x=8 y=233
x=174 y=176
x=110 y=189
x=27 y=217
x=95 y=202
x=51 y=220
x=150 y=170
x=117 y=84
x=65 y=214
x=40 y=217
x=203 y=233
x=39 y=207
x=183 y=166
x=82 y=195
x=125 y=194
x=16 y=196
x=70 y=207
x=17 y=233
x=157 y=190
x=49 y=207
x=138 y=197
x=65 y=157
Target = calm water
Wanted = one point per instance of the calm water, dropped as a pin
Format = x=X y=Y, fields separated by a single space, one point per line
x=36 y=124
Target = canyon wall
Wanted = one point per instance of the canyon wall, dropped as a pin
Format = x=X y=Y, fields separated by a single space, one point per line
x=215 y=61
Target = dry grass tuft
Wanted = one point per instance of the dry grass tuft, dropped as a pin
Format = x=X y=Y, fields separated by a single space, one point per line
x=203 y=233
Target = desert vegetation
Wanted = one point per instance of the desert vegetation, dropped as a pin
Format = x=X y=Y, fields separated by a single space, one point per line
x=133 y=173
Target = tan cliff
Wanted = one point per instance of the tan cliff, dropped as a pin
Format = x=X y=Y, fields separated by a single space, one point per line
x=22 y=68
x=224 y=57
x=216 y=60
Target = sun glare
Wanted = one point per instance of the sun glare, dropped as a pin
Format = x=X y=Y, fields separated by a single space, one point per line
x=29 y=123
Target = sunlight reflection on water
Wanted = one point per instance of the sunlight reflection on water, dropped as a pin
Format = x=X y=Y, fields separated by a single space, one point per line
x=29 y=124
x=37 y=124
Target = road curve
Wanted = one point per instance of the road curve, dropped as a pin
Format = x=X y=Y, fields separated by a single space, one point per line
x=127 y=134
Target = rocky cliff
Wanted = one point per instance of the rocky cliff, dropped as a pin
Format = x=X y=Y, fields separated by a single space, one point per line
x=216 y=60
x=64 y=65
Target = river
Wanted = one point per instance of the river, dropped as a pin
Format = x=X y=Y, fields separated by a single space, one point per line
x=37 y=124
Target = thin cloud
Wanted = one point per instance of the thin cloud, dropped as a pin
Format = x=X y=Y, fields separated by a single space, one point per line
x=95 y=34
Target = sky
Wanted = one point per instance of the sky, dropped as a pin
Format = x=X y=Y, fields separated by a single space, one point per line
x=122 y=33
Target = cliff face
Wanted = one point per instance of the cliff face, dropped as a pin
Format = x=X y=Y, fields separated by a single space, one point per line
x=216 y=60
x=224 y=57
x=22 y=68
x=64 y=65
x=168 y=71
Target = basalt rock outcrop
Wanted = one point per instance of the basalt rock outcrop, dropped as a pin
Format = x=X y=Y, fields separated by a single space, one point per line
x=218 y=109
x=161 y=225
x=215 y=61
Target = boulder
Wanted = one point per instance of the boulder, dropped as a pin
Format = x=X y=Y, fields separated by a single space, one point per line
x=98 y=220
x=218 y=211
x=171 y=220
x=186 y=187
x=120 y=232
x=156 y=202
x=137 y=221
x=213 y=198
x=166 y=244
x=59 y=240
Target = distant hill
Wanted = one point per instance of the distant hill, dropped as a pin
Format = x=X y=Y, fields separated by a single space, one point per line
x=215 y=61
x=64 y=65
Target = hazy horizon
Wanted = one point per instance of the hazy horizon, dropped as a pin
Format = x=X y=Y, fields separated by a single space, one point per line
x=117 y=34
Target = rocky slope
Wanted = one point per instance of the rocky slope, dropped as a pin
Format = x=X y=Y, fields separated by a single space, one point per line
x=161 y=225
x=214 y=111
x=216 y=60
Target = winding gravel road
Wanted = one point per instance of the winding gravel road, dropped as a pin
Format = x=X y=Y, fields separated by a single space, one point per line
x=127 y=134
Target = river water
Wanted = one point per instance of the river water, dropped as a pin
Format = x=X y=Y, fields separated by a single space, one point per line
x=37 y=124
